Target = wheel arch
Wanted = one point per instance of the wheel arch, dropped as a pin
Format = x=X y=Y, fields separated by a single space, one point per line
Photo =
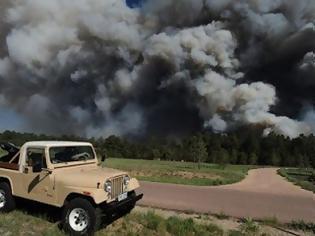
x=6 y=180
x=72 y=196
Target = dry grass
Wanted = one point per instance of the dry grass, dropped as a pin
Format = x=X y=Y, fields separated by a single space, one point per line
x=142 y=222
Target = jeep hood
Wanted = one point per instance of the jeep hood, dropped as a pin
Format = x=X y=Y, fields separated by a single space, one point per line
x=86 y=176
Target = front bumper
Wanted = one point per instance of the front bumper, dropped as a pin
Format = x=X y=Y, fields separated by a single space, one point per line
x=126 y=204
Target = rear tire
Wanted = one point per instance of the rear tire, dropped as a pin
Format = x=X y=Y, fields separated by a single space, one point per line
x=80 y=217
x=7 y=201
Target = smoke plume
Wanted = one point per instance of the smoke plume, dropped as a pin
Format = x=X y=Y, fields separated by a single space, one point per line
x=171 y=67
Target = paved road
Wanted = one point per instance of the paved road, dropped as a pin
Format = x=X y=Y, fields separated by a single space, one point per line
x=262 y=194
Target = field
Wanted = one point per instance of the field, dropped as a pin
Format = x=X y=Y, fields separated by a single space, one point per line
x=20 y=223
x=180 y=172
x=304 y=178
x=146 y=222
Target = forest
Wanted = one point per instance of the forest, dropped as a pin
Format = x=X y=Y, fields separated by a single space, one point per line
x=245 y=146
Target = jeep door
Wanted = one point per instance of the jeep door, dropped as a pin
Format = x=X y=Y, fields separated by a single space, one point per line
x=37 y=184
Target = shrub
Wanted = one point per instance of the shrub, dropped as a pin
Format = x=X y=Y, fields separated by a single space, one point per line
x=301 y=225
x=249 y=227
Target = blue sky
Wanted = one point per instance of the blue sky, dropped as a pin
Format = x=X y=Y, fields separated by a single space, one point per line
x=133 y=3
x=9 y=120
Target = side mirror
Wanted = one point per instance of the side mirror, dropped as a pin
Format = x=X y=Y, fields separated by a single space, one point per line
x=37 y=168
x=104 y=156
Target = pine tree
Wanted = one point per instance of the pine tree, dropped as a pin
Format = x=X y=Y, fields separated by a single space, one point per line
x=275 y=159
x=223 y=157
x=197 y=150
x=252 y=159
x=233 y=156
x=242 y=159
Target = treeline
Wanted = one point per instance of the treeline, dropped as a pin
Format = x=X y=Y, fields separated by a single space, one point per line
x=246 y=146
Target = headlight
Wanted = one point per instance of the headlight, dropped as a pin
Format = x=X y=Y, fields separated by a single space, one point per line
x=108 y=186
x=126 y=180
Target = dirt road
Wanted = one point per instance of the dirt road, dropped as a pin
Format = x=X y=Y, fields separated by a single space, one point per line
x=263 y=194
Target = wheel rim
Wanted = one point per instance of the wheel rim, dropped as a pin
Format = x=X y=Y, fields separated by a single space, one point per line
x=2 y=199
x=78 y=219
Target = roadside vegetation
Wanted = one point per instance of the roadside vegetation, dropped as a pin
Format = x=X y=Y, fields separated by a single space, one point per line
x=147 y=222
x=180 y=172
x=19 y=223
x=303 y=177
x=302 y=226
x=249 y=227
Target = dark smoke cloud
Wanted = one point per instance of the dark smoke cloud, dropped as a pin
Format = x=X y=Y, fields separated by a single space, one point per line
x=170 y=68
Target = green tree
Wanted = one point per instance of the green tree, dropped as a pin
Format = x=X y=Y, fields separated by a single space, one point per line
x=223 y=158
x=233 y=156
x=114 y=146
x=252 y=159
x=197 y=150
x=243 y=158
x=275 y=159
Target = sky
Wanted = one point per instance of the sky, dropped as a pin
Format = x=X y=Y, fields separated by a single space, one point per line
x=9 y=120
x=133 y=3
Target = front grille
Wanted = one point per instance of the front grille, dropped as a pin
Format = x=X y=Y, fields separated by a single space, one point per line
x=117 y=187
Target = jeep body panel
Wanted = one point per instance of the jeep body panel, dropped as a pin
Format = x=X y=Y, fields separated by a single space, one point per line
x=56 y=182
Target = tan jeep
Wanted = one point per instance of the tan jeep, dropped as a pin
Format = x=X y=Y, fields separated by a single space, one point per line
x=66 y=175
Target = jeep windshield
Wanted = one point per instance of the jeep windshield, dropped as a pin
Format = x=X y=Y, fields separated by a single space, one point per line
x=59 y=155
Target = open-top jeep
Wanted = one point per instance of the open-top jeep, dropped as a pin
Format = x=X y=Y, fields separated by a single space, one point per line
x=65 y=175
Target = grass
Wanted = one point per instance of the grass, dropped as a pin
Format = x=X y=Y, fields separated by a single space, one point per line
x=180 y=172
x=301 y=177
x=19 y=223
x=33 y=219
x=249 y=227
x=271 y=221
x=301 y=225
x=221 y=216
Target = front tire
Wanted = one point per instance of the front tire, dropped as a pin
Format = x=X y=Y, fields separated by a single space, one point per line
x=80 y=217
x=7 y=201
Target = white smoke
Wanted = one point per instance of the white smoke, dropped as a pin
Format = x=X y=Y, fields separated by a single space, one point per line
x=308 y=61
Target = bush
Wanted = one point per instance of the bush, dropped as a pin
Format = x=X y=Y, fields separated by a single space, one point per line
x=249 y=227
x=301 y=225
